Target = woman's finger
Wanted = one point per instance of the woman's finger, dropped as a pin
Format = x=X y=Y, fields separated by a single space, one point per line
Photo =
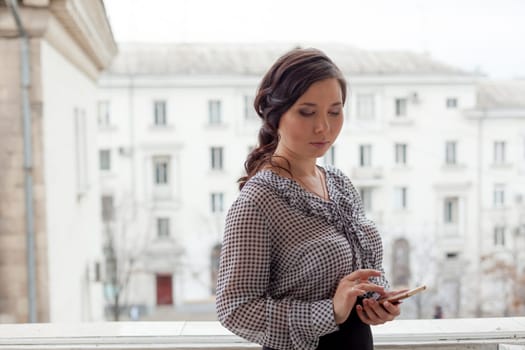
x=365 y=316
x=375 y=314
x=392 y=309
x=363 y=274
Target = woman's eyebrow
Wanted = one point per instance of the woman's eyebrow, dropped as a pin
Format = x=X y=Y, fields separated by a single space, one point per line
x=311 y=104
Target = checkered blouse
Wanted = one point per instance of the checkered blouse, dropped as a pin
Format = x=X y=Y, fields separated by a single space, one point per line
x=284 y=252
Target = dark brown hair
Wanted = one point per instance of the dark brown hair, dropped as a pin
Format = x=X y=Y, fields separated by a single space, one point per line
x=287 y=80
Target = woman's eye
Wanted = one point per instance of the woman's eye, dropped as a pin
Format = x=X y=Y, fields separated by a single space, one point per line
x=306 y=113
x=334 y=113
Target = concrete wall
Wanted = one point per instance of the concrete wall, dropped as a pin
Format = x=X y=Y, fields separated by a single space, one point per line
x=13 y=267
x=72 y=200
x=66 y=55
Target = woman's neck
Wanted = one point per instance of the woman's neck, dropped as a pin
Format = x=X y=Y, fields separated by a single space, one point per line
x=305 y=167
x=303 y=171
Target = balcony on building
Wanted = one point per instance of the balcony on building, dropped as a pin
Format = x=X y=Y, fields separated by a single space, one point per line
x=367 y=173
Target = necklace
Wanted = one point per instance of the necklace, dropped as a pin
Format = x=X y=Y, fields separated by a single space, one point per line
x=323 y=184
x=324 y=191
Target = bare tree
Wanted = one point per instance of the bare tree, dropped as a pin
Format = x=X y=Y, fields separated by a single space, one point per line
x=424 y=266
x=127 y=233
x=511 y=280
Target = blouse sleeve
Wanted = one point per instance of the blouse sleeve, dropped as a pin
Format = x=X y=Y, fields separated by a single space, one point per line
x=243 y=304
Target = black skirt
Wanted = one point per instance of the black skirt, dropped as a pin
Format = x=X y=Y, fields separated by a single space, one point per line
x=353 y=334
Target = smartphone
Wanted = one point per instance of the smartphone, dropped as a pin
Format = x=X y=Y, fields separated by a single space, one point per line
x=396 y=298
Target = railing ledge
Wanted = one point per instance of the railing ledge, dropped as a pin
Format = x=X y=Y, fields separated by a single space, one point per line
x=479 y=333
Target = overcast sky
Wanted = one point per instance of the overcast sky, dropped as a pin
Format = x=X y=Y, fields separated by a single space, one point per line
x=485 y=35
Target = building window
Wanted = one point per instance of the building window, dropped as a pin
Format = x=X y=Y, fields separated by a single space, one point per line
x=104 y=159
x=161 y=169
x=249 y=109
x=401 y=107
x=450 y=152
x=499 y=152
x=451 y=210
x=216 y=158
x=452 y=102
x=499 y=196
x=163 y=227
x=365 y=107
x=103 y=114
x=499 y=236
x=217 y=202
x=108 y=209
x=401 y=153
x=329 y=157
x=215 y=259
x=159 y=110
x=214 y=112
x=365 y=155
x=366 y=197
x=401 y=262
x=400 y=194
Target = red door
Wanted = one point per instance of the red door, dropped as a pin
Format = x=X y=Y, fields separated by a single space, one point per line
x=164 y=290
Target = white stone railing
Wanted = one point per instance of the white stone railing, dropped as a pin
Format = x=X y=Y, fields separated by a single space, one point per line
x=482 y=333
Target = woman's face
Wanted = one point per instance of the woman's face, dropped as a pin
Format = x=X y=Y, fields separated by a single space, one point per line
x=312 y=124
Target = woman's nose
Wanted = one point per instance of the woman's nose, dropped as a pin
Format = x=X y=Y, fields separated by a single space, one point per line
x=321 y=124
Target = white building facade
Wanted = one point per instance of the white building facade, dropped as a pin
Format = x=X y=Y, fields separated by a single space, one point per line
x=53 y=166
x=176 y=123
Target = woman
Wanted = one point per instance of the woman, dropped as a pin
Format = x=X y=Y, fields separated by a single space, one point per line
x=301 y=266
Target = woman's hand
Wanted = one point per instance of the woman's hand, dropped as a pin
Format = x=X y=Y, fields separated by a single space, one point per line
x=350 y=287
x=373 y=313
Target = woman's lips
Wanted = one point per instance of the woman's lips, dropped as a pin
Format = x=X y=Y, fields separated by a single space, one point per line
x=319 y=144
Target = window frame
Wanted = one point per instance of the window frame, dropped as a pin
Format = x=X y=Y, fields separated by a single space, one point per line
x=107 y=206
x=160 y=117
x=161 y=170
x=401 y=150
x=163 y=225
x=451 y=210
x=214 y=112
x=329 y=156
x=365 y=155
x=451 y=157
x=451 y=102
x=401 y=197
x=498 y=198
x=103 y=113
x=365 y=106
x=499 y=236
x=249 y=109
x=104 y=155
x=401 y=107
x=499 y=152
x=217 y=158
x=217 y=202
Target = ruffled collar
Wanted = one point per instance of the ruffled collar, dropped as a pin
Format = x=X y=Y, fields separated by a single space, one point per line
x=343 y=210
x=301 y=199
